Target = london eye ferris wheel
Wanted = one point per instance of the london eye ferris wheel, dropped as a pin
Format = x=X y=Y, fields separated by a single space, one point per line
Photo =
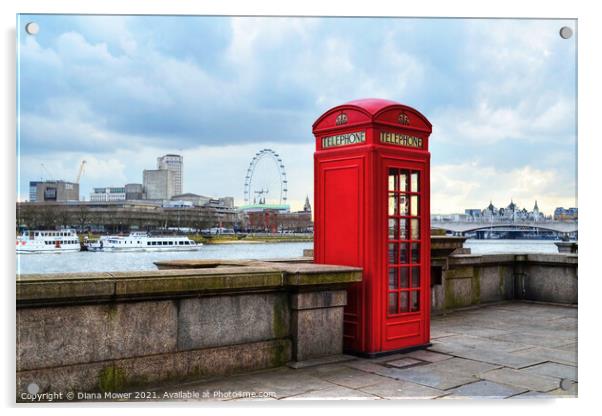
x=258 y=197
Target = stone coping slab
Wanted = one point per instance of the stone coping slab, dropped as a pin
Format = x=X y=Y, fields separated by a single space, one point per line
x=562 y=259
x=227 y=276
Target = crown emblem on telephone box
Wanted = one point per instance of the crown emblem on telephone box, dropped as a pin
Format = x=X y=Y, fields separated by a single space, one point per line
x=341 y=119
x=404 y=119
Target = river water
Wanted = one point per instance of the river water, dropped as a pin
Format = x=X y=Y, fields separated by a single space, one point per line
x=131 y=261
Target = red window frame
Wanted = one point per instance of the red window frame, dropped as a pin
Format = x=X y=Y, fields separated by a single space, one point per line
x=404 y=299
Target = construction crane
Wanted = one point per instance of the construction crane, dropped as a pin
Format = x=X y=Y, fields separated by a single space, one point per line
x=47 y=171
x=81 y=170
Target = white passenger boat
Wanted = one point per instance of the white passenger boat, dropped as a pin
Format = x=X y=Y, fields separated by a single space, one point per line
x=140 y=241
x=48 y=241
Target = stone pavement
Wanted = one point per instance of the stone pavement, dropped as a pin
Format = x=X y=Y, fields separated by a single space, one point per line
x=509 y=350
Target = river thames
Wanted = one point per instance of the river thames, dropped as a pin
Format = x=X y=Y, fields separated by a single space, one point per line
x=131 y=261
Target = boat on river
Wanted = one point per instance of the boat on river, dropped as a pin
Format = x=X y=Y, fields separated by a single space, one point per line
x=48 y=241
x=141 y=241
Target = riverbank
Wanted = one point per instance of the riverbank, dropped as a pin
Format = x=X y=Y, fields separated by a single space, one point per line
x=251 y=239
x=233 y=239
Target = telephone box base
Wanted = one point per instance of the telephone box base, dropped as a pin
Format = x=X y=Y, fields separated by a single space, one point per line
x=385 y=353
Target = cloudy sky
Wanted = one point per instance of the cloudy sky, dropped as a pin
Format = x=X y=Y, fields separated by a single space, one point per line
x=118 y=91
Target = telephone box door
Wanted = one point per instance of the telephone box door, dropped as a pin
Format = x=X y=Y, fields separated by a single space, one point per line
x=406 y=290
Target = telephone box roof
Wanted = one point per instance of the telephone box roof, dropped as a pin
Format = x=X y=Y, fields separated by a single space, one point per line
x=372 y=105
x=371 y=108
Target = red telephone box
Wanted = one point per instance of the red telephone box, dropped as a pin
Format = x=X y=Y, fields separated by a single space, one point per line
x=372 y=196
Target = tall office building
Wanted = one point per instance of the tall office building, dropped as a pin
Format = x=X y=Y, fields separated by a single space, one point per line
x=158 y=184
x=173 y=163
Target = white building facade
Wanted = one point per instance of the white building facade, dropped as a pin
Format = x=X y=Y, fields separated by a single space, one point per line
x=175 y=164
x=108 y=194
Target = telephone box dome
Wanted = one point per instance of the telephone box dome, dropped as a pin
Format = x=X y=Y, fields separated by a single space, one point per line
x=372 y=110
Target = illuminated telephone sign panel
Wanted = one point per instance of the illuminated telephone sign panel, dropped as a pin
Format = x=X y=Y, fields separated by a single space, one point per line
x=372 y=210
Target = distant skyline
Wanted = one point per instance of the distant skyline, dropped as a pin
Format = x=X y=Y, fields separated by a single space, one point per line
x=119 y=91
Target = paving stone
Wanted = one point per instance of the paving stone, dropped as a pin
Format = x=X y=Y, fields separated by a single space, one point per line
x=463 y=366
x=353 y=378
x=565 y=324
x=365 y=365
x=216 y=390
x=321 y=361
x=334 y=393
x=387 y=372
x=404 y=362
x=485 y=390
x=440 y=334
x=285 y=385
x=430 y=356
x=424 y=375
x=396 y=389
x=480 y=332
x=532 y=339
x=522 y=379
x=567 y=335
x=539 y=308
x=323 y=371
x=443 y=348
x=534 y=395
x=494 y=357
x=253 y=399
x=432 y=377
x=573 y=346
x=547 y=314
x=476 y=342
x=499 y=322
x=553 y=370
x=549 y=354
x=385 y=358
x=466 y=348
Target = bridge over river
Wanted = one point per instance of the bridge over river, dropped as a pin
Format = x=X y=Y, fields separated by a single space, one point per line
x=461 y=228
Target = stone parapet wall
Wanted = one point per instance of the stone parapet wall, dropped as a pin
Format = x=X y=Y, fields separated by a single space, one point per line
x=468 y=280
x=122 y=331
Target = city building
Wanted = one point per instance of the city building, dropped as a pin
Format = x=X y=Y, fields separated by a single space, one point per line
x=177 y=204
x=55 y=191
x=536 y=214
x=265 y=207
x=227 y=201
x=307 y=205
x=224 y=202
x=173 y=163
x=473 y=213
x=275 y=218
x=511 y=213
x=108 y=194
x=569 y=214
x=134 y=191
x=277 y=221
x=197 y=200
x=158 y=184
x=122 y=216
x=33 y=189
